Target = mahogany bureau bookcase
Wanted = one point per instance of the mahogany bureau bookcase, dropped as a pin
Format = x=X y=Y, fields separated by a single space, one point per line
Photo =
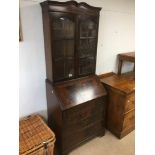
x=75 y=96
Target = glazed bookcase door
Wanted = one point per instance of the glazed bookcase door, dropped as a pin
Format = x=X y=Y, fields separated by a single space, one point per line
x=63 y=45
x=87 y=40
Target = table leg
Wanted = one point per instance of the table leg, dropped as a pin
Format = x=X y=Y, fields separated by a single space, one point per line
x=119 y=66
x=134 y=68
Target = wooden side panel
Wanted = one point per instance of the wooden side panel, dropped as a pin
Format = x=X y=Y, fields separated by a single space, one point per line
x=115 y=110
x=47 y=42
x=54 y=113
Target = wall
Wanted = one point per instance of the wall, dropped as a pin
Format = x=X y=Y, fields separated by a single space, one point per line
x=32 y=62
x=116 y=35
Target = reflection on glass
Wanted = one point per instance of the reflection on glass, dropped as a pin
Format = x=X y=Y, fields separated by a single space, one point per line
x=86 y=65
x=63 y=28
x=87 y=47
x=88 y=28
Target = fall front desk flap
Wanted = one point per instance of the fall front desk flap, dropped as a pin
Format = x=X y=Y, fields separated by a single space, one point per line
x=74 y=92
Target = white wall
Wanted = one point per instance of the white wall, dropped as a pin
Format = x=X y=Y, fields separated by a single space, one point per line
x=116 y=35
x=32 y=62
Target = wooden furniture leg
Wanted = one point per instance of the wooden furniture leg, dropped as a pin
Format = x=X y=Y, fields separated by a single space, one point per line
x=134 y=68
x=120 y=66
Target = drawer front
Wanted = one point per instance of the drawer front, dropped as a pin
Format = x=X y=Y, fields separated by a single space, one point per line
x=73 y=139
x=129 y=120
x=82 y=123
x=130 y=103
x=83 y=111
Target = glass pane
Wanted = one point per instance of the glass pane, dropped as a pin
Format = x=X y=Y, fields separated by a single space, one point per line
x=58 y=49
x=59 y=69
x=63 y=27
x=88 y=28
x=87 y=44
x=69 y=67
x=86 y=65
x=63 y=48
x=63 y=45
x=63 y=52
x=69 y=48
x=87 y=47
x=64 y=68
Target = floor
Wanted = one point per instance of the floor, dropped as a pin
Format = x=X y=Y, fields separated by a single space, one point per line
x=108 y=145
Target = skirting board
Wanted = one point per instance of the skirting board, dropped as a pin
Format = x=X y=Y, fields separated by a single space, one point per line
x=101 y=76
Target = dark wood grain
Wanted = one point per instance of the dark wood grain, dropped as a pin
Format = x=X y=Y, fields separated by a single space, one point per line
x=124 y=84
x=70 y=37
x=76 y=99
x=72 y=7
x=120 y=113
x=76 y=111
x=79 y=91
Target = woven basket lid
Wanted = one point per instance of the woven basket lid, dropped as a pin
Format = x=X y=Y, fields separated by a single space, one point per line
x=33 y=134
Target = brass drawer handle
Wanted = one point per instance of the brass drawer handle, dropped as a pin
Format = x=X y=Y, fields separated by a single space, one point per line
x=130 y=100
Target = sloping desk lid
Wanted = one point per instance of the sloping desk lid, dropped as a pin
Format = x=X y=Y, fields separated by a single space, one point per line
x=75 y=92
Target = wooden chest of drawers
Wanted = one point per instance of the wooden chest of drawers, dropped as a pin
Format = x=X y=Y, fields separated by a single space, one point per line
x=76 y=111
x=120 y=117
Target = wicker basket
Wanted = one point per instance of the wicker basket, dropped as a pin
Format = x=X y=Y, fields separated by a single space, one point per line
x=35 y=137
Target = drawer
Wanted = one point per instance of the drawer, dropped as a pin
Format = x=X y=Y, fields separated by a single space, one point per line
x=129 y=120
x=130 y=103
x=84 y=111
x=72 y=139
x=75 y=125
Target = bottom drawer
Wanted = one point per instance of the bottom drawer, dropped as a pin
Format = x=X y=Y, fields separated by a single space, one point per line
x=129 y=120
x=73 y=139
